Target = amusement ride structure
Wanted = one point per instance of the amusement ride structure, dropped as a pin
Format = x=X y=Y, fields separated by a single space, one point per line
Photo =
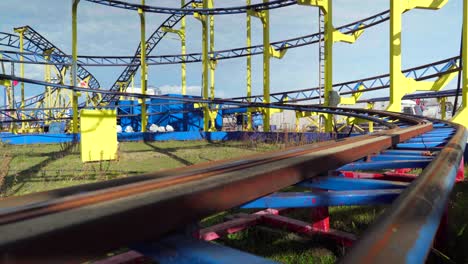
x=355 y=170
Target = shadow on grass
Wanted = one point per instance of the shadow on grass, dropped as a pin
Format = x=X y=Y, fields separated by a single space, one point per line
x=169 y=154
x=22 y=177
x=284 y=246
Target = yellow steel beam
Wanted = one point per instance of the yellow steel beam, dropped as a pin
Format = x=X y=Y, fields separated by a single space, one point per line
x=400 y=85
x=331 y=36
x=212 y=58
x=462 y=116
x=20 y=31
x=74 y=65
x=268 y=52
x=48 y=77
x=443 y=107
x=143 y=65
x=371 y=124
x=181 y=34
x=249 y=68
x=184 y=51
x=353 y=99
x=205 y=62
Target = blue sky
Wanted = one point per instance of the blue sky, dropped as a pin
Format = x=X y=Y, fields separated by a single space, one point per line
x=427 y=36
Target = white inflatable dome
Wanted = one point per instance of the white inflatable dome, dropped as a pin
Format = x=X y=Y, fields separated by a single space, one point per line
x=153 y=128
x=169 y=128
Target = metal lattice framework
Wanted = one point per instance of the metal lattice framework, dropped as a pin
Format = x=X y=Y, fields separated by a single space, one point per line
x=38 y=44
x=188 y=11
x=179 y=197
x=195 y=57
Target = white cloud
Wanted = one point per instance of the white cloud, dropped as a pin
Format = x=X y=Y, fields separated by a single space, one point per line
x=177 y=89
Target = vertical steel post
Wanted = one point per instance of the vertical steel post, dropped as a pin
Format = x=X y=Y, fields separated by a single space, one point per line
x=249 y=67
x=143 y=66
x=266 y=67
x=399 y=83
x=11 y=97
x=329 y=30
x=465 y=58
x=462 y=116
x=47 y=88
x=184 y=51
x=20 y=31
x=443 y=107
x=371 y=124
x=205 y=70
x=74 y=64
x=212 y=57
x=397 y=86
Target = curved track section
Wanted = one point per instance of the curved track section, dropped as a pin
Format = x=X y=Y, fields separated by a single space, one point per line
x=419 y=73
x=424 y=72
x=133 y=204
x=196 y=57
x=122 y=81
x=187 y=11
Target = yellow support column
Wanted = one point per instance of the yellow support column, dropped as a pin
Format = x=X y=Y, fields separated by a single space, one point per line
x=249 y=68
x=181 y=34
x=266 y=67
x=462 y=116
x=184 y=51
x=268 y=52
x=264 y=16
x=443 y=107
x=328 y=62
x=371 y=124
x=74 y=65
x=212 y=56
x=20 y=31
x=143 y=66
x=48 y=78
x=205 y=62
x=400 y=85
x=331 y=36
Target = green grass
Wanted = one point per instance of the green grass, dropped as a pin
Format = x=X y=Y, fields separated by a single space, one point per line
x=457 y=241
x=36 y=168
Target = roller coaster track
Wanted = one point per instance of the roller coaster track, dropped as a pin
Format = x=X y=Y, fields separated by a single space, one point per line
x=424 y=72
x=36 y=43
x=196 y=57
x=132 y=204
x=124 y=78
x=133 y=63
x=440 y=94
x=419 y=73
x=188 y=11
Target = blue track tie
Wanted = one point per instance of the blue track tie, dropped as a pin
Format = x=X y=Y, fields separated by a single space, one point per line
x=426 y=139
x=404 y=152
x=383 y=157
x=349 y=184
x=182 y=249
x=425 y=145
x=380 y=165
x=320 y=199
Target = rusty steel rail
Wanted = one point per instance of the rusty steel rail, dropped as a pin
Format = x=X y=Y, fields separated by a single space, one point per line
x=405 y=232
x=80 y=222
